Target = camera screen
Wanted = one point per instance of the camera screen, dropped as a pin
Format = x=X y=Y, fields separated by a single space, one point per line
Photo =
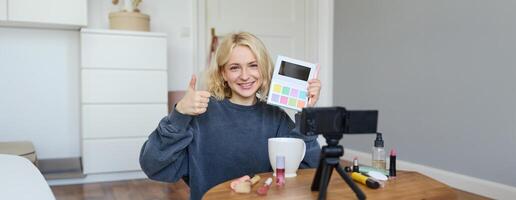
x=294 y=71
x=327 y=120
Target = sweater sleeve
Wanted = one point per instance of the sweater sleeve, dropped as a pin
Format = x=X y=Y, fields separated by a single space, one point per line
x=164 y=156
x=313 y=150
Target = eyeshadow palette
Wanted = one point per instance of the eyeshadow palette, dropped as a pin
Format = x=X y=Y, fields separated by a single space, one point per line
x=289 y=83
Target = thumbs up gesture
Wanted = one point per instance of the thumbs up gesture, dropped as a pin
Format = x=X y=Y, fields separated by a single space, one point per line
x=194 y=102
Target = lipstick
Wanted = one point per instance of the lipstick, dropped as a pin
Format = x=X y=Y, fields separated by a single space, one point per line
x=392 y=163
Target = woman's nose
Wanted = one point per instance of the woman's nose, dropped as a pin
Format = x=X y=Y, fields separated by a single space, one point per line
x=245 y=74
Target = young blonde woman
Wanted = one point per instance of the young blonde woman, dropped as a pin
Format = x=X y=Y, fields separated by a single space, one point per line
x=220 y=134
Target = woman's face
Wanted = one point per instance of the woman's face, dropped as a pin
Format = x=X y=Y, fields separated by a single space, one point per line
x=242 y=75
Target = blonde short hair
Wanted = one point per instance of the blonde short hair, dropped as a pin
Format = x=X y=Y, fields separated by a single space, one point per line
x=215 y=82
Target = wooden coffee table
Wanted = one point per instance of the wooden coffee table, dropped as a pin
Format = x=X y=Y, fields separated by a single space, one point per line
x=407 y=185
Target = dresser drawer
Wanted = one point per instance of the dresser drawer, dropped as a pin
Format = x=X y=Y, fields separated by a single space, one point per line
x=125 y=120
x=109 y=155
x=109 y=49
x=124 y=86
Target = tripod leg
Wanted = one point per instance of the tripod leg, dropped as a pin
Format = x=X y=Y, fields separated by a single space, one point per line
x=325 y=179
x=317 y=178
x=352 y=185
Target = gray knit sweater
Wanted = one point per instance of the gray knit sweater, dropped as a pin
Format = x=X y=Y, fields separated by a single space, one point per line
x=225 y=142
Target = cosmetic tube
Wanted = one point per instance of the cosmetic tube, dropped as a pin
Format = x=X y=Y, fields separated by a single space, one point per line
x=392 y=164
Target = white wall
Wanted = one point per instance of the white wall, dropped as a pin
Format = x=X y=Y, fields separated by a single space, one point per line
x=442 y=74
x=39 y=80
x=39 y=74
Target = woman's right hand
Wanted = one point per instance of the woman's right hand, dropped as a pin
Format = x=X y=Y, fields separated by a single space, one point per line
x=194 y=102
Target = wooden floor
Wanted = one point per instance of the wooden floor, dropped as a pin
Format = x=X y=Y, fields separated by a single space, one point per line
x=143 y=189
x=148 y=190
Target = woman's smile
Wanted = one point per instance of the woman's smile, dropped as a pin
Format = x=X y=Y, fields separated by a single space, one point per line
x=246 y=85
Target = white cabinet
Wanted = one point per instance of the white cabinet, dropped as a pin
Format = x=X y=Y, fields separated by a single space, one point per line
x=3 y=10
x=144 y=52
x=42 y=13
x=123 y=86
x=123 y=96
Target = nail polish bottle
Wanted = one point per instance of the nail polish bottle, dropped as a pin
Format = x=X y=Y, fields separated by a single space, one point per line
x=280 y=170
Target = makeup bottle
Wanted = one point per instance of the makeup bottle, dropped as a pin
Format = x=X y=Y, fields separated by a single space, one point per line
x=379 y=153
x=263 y=190
x=280 y=170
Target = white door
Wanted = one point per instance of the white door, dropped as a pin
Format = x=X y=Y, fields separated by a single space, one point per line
x=283 y=25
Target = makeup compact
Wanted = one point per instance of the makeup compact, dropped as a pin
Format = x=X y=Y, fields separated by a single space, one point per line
x=289 y=83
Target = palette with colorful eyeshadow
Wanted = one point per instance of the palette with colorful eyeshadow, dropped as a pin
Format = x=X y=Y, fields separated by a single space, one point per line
x=289 y=83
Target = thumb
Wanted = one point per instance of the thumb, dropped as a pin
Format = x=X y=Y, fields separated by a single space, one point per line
x=191 y=86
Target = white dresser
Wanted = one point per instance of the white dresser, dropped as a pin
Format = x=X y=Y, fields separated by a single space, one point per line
x=123 y=96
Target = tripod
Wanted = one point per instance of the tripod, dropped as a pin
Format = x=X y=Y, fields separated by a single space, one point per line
x=330 y=158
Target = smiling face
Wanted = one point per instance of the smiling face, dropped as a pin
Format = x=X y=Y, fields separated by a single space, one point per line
x=242 y=75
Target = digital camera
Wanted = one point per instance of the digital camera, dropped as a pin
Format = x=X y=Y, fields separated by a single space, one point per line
x=337 y=120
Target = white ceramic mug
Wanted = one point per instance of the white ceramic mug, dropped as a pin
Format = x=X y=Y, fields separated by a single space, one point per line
x=293 y=149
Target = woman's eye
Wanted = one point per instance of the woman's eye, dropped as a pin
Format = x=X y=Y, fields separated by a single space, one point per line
x=233 y=68
x=254 y=65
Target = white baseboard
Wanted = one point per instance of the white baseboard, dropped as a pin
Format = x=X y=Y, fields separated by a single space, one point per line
x=103 y=177
x=467 y=183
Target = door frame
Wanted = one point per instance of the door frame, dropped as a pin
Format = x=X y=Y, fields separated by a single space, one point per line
x=319 y=40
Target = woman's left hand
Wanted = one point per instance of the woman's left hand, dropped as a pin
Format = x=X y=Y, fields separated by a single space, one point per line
x=314 y=89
